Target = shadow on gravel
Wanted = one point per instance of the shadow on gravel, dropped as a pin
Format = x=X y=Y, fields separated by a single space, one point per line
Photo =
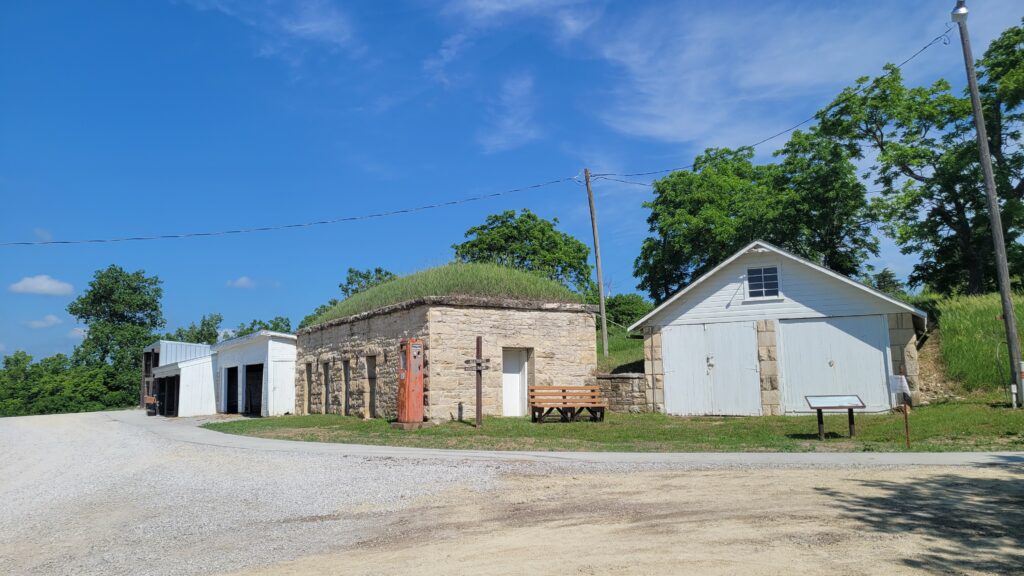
x=972 y=524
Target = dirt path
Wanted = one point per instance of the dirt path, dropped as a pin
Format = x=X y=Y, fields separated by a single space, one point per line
x=770 y=521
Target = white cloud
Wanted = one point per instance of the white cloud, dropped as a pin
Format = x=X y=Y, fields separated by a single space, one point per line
x=288 y=27
x=77 y=333
x=242 y=282
x=41 y=284
x=437 y=65
x=483 y=13
x=47 y=321
x=511 y=122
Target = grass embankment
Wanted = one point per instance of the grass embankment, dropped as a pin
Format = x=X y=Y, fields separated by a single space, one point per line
x=970 y=425
x=973 y=343
x=455 y=279
x=625 y=351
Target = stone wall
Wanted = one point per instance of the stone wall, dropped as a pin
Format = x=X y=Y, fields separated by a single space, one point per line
x=559 y=340
x=353 y=340
x=654 y=368
x=626 y=392
x=903 y=351
x=768 y=367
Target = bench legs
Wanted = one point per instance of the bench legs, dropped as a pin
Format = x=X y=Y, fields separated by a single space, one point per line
x=539 y=413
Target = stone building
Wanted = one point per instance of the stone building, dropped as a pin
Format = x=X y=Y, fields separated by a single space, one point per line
x=765 y=329
x=350 y=365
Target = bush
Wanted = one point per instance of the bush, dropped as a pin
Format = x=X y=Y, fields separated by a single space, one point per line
x=625 y=309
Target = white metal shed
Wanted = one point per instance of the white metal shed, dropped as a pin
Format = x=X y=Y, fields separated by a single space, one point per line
x=766 y=327
x=185 y=388
x=255 y=374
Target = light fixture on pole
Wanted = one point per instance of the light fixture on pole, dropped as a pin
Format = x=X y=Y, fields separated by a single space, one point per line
x=959 y=15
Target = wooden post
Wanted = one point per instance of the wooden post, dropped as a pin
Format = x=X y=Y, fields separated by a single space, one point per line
x=597 y=257
x=821 y=425
x=853 y=430
x=479 y=381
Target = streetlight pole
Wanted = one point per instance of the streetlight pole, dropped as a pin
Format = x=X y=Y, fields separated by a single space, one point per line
x=959 y=16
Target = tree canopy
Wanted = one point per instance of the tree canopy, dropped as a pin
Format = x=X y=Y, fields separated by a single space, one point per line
x=276 y=324
x=357 y=281
x=921 y=141
x=207 y=331
x=811 y=204
x=528 y=242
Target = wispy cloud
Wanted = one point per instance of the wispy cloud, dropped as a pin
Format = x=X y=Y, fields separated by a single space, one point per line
x=41 y=284
x=288 y=28
x=437 y=65
x=242 y=282
x=77 y=332
x=511 y=122
x=3 y=347
x=42 y=234
x=47 y=321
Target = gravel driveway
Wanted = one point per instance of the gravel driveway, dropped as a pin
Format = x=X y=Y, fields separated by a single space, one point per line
x=119 y=493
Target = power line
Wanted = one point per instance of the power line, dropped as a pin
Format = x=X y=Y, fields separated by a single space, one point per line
x=943 y=37
x=299 y=225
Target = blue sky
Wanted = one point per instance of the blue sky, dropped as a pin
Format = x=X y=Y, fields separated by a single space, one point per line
x=139 y=118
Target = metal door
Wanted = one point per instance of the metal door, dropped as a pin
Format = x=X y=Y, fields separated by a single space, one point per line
x=834 y=356
x=687 y=377
x=513 y=382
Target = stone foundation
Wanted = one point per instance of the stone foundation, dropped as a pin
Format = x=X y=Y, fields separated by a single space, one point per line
x=559 y=339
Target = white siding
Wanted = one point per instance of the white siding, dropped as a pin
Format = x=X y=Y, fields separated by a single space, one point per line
x=277 y=355
x=281 y=391
x=172 y=352
x=806 y=293
x=196 y=393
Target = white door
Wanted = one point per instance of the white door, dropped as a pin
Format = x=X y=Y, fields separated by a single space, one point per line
x=711 y=369
x=513 y=382
x=834 y=356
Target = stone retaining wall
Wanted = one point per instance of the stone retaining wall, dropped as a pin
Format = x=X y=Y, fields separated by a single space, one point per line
x=654 y=368
x=768 y=368
x=626 y=392
x=903 y=351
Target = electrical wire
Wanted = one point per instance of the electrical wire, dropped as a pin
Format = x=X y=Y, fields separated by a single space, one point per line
x=943 y=38
x=299 y=225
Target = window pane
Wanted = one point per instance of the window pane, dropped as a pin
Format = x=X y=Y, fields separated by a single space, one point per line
x=771 y=291
x=756 y=293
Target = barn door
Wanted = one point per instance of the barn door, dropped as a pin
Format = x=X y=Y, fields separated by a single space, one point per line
x=834 y=356
x=732 y=358
x=687 y=377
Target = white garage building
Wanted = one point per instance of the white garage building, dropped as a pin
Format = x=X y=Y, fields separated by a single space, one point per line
x=765 y=328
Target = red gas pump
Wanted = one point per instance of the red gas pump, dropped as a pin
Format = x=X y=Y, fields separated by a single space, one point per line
x=410 y=384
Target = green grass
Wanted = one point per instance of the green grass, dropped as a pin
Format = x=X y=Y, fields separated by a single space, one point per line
x=975 y=424
x=625 y=353
x=453 y=280
x=973 y=344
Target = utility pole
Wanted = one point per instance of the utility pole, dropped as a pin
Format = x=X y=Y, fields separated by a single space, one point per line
x=597 y=255
x=959 y=16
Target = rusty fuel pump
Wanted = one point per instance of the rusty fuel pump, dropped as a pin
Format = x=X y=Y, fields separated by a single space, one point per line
x=410 y=385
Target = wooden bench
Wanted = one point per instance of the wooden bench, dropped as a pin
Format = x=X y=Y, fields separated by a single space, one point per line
x=569 y=401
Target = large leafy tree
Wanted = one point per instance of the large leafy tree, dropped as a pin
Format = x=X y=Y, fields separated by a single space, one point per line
x=121 y=311
x=207 y=331
x=276 y=324
x=360 y=280
x=810 y=204
x=925 y=160
x=528 y=242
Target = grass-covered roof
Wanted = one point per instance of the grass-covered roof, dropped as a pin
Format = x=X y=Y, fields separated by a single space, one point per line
x=456 y=279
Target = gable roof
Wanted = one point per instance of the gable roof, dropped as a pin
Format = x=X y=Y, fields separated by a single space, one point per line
x=762 y=245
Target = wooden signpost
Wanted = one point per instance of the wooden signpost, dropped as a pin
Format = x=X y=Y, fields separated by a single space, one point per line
x=479 y=364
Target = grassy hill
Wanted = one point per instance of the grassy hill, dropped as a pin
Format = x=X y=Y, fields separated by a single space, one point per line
x=488 y=280
x=973 y=343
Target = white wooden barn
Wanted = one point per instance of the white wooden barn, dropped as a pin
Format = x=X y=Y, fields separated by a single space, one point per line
x=255 y=374
x=766 y=328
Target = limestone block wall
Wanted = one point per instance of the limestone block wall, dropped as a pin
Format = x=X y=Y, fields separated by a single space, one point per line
x=559 y=340
x=654 y=368
x=903 y=350
x=626 y=392
x=325 y=349
x=768 y=367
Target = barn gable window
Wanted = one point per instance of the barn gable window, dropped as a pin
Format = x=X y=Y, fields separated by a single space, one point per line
x=763 y=282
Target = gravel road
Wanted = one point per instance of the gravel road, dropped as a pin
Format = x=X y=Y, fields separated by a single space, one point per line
x=118 y=493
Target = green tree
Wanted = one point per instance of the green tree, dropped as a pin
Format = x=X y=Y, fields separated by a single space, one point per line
x=121 y=311
x=886 y=281
x=206 y=332
x=925 y=155
x=276 y=324
x=808 y=204
x=528 y=242
x=359 y=280
x=625 y=309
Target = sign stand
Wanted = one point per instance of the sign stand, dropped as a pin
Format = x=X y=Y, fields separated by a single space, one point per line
x=479 y=364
